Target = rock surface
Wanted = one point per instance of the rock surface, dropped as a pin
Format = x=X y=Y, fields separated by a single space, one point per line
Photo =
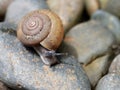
x=88 y=41
x=3 y=87
x=18 y=9
x=111 y=6
x=96 y=69
x=108 y=20
x=109 y=82
x=115 y=66
x=21 y=68
x=68 y=10
x=92 y=6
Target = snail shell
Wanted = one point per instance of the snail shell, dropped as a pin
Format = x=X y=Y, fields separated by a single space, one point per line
x=41 y=27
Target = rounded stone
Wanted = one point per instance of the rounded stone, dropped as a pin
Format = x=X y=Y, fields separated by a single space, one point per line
x=115 y=65
x=21 y=68
x=108 y=20
x=109 y=82
x=111 y=6
x=68 y=10
x=96 y=69
x=88 y=41
x=20 y=8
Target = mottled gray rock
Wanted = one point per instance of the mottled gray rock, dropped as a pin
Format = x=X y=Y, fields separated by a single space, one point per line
x=18 y=9
x=109 y=82
x=115 y=65
x=88 y=41
x=96 y=69
x=22 y=68
x=110 y=21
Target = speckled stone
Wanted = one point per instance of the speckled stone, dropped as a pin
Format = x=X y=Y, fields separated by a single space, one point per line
x=109 y=82
x=96 y=69
x=115 y=65
x=18 y=9
x=68 y=10
x=109 y=21
x=21 y=68
x=88 y=41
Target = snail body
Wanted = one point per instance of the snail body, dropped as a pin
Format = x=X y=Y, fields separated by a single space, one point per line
x=43 y=30
x=19 y=8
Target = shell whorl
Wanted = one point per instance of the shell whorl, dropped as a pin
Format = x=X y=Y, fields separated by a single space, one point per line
x=41 y=27
x=35 y=28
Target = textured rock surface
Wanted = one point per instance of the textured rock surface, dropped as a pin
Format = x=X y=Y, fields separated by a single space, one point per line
x=19 y=8
x=96 y=69
x=112 y=6
x=109 y=82
x=110 y=21
x=20 y=67
x=68 y=10
x=115 y=66
x=88 y=41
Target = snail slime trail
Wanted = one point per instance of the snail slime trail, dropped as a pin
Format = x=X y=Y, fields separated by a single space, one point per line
x=42 y=30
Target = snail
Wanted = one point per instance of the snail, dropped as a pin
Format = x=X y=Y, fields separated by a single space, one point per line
x=43 y=30
x=17 y=9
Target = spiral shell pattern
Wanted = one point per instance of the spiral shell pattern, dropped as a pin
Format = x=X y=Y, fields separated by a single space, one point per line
x=35 y=27
x=41 y=27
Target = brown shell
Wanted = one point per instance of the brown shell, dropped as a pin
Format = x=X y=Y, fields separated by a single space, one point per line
x=41 y=27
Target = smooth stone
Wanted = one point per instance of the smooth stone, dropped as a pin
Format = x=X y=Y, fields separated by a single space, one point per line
x=115 y=65
x=88 y=41
x=3 y=87
x=92 y=6
x=109 y=82
x=20 y=8
x=68 y=10
x=96 y=69
x=21 y=68
x=4 y=5
x=108 y=20
x=111 y=6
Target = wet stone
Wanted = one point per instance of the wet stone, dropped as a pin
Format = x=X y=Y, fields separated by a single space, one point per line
x=88 y=41
x=96 y=69
x=109 y=82
x=68 y=10
x=21 y=68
